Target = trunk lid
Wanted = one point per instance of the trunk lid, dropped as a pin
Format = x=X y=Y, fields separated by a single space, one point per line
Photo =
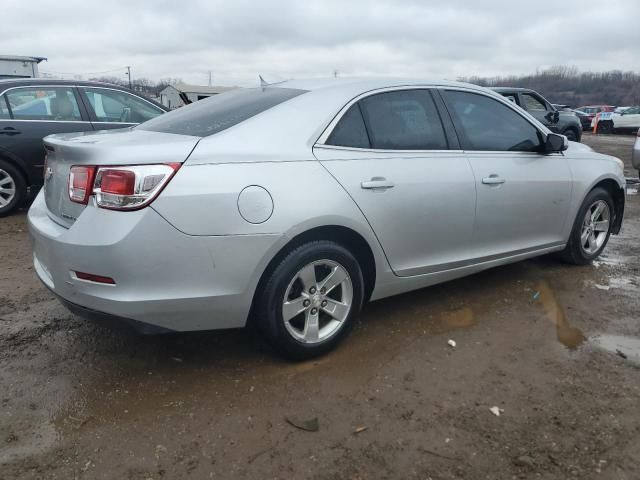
x=109 y=147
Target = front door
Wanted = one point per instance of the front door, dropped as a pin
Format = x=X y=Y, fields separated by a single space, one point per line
x=390 y=153
x=111 y=108
x=523 y=195
x=542 y=111
x=31 y=114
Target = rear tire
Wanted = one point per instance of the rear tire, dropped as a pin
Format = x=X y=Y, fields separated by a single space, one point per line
x=302 y=313
x=591 y=228
x=13 y=188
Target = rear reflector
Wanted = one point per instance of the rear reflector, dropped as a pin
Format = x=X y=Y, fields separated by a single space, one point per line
x=95 y=278
x=81 y=183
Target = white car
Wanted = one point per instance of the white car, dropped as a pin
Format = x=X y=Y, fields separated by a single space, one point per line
x=628 y=119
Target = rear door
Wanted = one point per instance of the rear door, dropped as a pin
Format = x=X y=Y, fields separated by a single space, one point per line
x=33 y=112
x=112 y=108
x=523 y=195
x=391 y=154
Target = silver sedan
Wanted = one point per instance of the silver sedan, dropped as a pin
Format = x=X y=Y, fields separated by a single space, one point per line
x=289 y=206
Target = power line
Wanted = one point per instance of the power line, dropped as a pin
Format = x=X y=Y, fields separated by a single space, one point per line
x=85 y=73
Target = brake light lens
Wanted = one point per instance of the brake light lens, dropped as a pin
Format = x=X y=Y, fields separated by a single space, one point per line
x=131 y=187
x=80 y=183
x=119 y=187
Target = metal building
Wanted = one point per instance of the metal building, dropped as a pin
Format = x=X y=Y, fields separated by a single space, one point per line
x=14 y=66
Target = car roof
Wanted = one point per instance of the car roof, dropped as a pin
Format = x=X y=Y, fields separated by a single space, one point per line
x=365 y=84
x=22 y=82
x=511 y=89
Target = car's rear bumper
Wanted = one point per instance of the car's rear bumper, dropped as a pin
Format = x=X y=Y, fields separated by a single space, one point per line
x=163 y=277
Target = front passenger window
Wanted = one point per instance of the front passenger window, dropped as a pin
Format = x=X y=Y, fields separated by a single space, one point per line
x=117 y=106
x=532 y=103
x=487 y=124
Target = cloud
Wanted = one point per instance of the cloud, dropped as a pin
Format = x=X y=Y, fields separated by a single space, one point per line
x=238 y=39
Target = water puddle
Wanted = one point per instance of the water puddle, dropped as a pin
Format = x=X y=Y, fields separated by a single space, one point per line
x=625 y=347
x=567 y=335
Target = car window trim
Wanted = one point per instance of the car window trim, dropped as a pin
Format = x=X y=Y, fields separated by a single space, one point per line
x=501 y=99
x=92 y=114
x=324 y=136
x=83 y=112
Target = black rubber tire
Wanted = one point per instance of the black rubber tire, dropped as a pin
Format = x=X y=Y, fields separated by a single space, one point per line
x=21 y=188
x=269 y=305
x=605 y=127
x=573 y=252
x=571 y=135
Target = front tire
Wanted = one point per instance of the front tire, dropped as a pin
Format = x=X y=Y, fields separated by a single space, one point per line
x=571 y=135
x=605 y=127
x=591 y=228
x=13 y=188
x=311 y=300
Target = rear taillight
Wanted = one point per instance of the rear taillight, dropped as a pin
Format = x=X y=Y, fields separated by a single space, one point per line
x=125 y=187
x=81 y=183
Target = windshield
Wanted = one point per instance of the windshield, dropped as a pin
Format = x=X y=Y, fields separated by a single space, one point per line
x=217 y=113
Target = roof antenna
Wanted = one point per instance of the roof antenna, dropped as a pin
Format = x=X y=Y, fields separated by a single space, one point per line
x=264 y=84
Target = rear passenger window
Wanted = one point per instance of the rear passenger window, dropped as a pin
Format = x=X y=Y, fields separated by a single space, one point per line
x=350 y=130
x=403 y=120
x=44 y=103
x=489 y=125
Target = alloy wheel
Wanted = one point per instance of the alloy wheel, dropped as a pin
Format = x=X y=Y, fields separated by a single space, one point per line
x=595 y=227
x=317 y=301
x=7 y=188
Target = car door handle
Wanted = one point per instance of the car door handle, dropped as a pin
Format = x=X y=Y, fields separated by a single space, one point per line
x=9 y=131
x=493 y=179
x=377 y=182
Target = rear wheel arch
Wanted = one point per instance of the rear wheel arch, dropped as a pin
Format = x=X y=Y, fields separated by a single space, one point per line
x=15 y=163
x=344 y=236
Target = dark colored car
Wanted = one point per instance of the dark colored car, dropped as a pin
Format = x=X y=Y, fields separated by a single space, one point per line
x=31 y=109
x=585 y=119
x=565 y=123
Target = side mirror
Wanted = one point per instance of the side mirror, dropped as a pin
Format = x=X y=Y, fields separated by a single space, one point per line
x=553 y=117
x=555 y=143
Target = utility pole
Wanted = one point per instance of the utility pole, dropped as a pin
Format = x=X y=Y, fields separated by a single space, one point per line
x=129 y=75
x=209 y=77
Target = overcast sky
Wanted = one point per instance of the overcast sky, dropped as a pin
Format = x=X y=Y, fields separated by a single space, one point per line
x=281 y=39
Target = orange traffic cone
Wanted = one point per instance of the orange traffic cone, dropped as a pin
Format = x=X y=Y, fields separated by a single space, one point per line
x=595 y=125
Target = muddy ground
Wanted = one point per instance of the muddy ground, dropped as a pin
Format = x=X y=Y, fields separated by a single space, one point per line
x=537 y=339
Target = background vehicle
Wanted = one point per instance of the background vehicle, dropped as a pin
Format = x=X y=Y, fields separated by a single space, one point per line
x=585 y=119
x=627 y=120
x=31 y=109
x=592 y=110
x=563 y=122
x=294 y=204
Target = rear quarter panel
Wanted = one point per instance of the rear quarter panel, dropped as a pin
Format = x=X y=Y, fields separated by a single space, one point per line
x=202 y=199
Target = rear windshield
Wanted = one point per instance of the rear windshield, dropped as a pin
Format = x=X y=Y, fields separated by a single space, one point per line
x=217 y=113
